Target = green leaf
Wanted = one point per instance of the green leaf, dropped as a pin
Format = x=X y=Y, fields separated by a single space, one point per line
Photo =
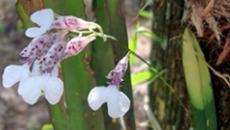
x=146 y=14
x=147 y=75
x=161 y=40
x=132 y=45
x=198 y=84
x=48 y=127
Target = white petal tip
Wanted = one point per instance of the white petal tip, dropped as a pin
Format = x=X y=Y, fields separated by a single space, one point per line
x=118 y=104
x=31 y=89
x=11 y=75
x=34 y=32
x=53 y=90
x=97 y=96
x=30 y=102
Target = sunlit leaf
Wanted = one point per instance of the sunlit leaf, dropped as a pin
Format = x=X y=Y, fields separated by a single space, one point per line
x=198 y=84
x=47 y=127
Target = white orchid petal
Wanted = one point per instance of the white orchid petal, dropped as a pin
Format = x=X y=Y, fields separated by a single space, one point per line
x=53 y=89
x=55 y=71
x=118 y=103
x=36 y=69
x=24 y=88
x=34 y=32
x=97 y=96
x=43 y=18
x=31 y=89
x=13 y=74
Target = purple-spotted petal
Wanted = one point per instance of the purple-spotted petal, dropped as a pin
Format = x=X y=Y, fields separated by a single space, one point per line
x=52 y=57
x=116 y=75
x=36 y=48
x=76 y=45
x=71 y=23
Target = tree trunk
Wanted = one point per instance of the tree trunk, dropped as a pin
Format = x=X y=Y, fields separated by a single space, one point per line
x=166 y=100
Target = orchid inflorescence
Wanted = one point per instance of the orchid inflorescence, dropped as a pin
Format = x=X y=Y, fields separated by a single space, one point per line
x=55 y=39
x=117 y=102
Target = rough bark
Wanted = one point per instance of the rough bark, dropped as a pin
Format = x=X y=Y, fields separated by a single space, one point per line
x=164 y=102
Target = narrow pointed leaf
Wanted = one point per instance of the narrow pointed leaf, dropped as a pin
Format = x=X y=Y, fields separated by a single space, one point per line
x=198 y=84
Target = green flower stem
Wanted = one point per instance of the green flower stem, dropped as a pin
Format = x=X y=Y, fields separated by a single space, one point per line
x=118 y=30
x=77 y=78
x=72 y=113
x=58 y=116
x=109 y=16
x=103 y=58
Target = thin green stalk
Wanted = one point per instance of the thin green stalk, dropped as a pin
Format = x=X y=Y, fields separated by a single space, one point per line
x=118 y=30
x=102 y=60
x=102 y=54
x=58 y=116
x=162 y=79
x=23 y=15
x=116 y=26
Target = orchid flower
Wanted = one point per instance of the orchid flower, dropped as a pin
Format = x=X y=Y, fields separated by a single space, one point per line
x=51 y=43
x=117 y=102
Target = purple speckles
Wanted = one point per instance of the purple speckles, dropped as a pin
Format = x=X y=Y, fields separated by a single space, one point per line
x=54 y=39
x=53 y=56
x=71 y=22
x=116 y=79
x=116 y=75
x=76 y=45
x=34 y=50
x=54 y=45
x=50 y=48
x=59 y=23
